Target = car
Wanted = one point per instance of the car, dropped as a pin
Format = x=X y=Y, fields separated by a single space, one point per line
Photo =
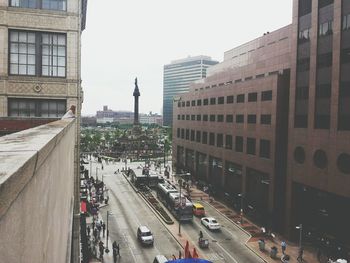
x=145 y=236
x=210 y=223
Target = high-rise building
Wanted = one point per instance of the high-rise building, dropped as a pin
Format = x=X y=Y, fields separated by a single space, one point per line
x=230 y=129
x=40 y=61
x=318 y=190
x=177 y=77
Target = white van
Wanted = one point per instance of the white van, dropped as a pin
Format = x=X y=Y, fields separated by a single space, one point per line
x=160 y=259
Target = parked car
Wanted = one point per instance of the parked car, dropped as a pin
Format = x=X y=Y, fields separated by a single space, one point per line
x=210 y=223
x=144 y=235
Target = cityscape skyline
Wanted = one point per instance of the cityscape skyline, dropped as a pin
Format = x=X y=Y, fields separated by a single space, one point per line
x=106 y=72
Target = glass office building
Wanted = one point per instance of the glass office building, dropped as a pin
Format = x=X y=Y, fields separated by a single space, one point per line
x=177 y=77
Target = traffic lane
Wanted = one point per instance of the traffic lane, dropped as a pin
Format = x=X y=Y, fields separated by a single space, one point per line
x=135 y=212
x=231 y=237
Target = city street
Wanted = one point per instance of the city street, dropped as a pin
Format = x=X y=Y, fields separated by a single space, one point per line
x=128 y=210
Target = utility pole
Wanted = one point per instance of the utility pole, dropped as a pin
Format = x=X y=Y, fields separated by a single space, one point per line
x=180 y=183
x=107 y=250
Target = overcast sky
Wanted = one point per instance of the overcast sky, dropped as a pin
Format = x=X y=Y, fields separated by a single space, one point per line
x=136 y=38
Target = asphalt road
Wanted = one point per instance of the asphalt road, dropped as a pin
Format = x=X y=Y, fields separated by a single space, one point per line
x=129 y=211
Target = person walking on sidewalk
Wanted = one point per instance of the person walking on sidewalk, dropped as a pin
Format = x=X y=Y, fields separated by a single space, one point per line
x=283 y=246
x=101 y=248
x=88 y=230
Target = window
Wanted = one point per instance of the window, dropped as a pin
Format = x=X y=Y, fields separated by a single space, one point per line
x=322 y=121
x=199 y=117
x=303 y=64
x=266 y=95
x=323 y=91
x=304 y=35
x=36 y=108
x=221 y=100
x=238 y=80
x=240 y=98
x=211 y=138
x=248 y=78
x=220 y=118
x=324 y=60
x=24 y=59
x=187 y=134
x=183 y=104
x=251 y=118
x=22 y=53
x=323 y=3
x=183 y=117
x=304 y=7
x=205 y=102
x=187 y=103
x=192 y=135
x=178 y=132
x=265 y=118
x=193 y=117
x=187 y=117
x=199 y=102
x=229 y=99
x=343 y=163
x=198 y=136
x=346 y=22
x=252 y=97
x=251 y=146
x=205 y=117
x=239 y=144
x=179 y=104
x=193 y=103
x=178 y=117
x=302 y=92
x=264 y=148
x=182 y=133
x=259 y=76
x=228 y=142
x=326 y=28
x=212 y=117
x=239 y=118
x=229 y=118
x=205 y=138
x=40 y=4
x=219 y=140
x=212 y=101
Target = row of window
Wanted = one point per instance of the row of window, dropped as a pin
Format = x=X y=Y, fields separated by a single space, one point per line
x=218 y=141
x=305 y=6
x=36 y=108
x=37 y=53
x=251 y=118
x=40 y=4
x=252 y=97
x=320 y=159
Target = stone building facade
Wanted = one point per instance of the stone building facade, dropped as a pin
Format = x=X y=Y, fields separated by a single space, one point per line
x=40 y=60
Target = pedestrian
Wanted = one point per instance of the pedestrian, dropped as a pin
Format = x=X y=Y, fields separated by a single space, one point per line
x=88 y=230
x=114 y=255
x=118 y=250
x=93 y=223
x=103 y=228
x=300 y=254
x=95 y=233
x=101 y=248
x=283 y=246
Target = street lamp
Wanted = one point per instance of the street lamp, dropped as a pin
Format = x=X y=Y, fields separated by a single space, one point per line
x=107 y=234
x=300 y=227
x=241 y=196
x=180 y=183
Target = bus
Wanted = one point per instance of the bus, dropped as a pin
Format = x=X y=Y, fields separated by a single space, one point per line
x=181 y=208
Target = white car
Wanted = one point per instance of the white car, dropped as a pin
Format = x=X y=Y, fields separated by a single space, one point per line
x=210 y=223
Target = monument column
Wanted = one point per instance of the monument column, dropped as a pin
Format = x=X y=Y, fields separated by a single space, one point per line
x=136 y=95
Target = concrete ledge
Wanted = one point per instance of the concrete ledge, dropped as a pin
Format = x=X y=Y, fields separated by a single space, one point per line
x=22 y=154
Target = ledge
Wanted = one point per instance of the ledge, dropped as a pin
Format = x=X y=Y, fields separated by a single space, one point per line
x=22 y=153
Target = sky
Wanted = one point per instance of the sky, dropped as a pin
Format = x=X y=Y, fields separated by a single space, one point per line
x=136 y=38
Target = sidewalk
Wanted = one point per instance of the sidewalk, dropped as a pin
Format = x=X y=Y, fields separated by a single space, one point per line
x=255 y=232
